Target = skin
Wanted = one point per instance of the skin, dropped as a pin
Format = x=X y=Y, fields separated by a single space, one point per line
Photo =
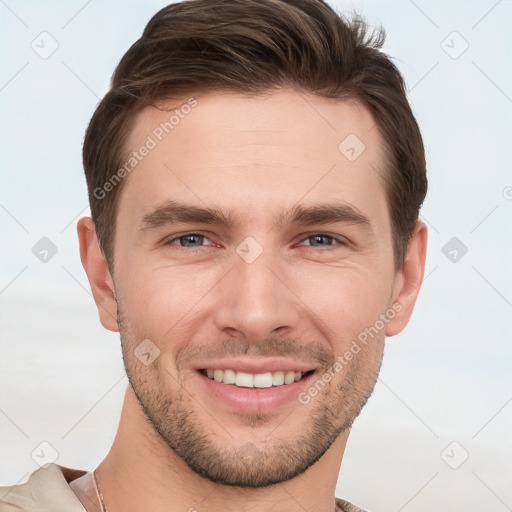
x=303 y=299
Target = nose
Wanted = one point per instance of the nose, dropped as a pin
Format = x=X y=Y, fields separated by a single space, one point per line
x=257 y=300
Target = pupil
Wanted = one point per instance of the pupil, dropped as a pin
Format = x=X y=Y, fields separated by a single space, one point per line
x=318 y=238
x=190 y=238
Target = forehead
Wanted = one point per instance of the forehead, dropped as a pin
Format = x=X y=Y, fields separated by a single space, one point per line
x=255 y=153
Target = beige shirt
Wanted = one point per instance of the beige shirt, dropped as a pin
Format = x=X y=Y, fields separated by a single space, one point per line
x=54 y=488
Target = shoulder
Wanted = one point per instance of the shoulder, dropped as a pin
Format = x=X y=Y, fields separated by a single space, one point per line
x=46 y=490
x=345 y=506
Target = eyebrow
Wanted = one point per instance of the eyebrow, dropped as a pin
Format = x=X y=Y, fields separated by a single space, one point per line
x=172 y=212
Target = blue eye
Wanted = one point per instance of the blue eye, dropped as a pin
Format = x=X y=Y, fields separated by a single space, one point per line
x=195 y=241
x=318 y=237
x=190 y=240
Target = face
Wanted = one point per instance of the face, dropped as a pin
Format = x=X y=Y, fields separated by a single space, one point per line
x=253 y=248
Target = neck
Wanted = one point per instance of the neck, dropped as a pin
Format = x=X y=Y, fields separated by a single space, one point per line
x=141 y=473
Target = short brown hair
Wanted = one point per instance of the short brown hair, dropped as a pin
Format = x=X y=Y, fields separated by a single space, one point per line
x=252 y=46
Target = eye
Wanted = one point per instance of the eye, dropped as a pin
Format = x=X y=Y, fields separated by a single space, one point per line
x=195 y=241
x=188 y=240
x=325 y=240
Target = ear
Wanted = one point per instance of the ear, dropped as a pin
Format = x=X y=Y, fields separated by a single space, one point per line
x=97 y=271
x=408 y=280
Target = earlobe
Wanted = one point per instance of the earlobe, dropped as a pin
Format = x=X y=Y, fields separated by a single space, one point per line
x=408 y=280
x=96 y=268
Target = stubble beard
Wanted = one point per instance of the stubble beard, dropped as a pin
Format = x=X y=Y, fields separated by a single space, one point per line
x=253 y=464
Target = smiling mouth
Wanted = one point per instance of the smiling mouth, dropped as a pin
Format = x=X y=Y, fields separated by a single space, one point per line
x=254 y=380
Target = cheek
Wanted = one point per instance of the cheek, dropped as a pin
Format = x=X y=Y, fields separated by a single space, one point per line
x=347 y=300
x=168 y=302
x=163 y=300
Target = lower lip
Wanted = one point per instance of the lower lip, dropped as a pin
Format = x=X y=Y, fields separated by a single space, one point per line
x=254 y=400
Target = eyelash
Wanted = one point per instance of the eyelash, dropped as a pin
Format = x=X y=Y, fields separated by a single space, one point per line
x=341 y=241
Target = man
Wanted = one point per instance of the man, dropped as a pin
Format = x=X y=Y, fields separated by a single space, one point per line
x=255 y=175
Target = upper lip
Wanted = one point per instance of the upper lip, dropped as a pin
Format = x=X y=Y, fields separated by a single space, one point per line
x=255 y=365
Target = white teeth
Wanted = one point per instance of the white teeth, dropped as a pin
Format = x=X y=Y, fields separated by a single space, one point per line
x=289 y=377
x=263 y=380
x=259 y=380
x=278 y=378
x=229 y=377
x=245 y=380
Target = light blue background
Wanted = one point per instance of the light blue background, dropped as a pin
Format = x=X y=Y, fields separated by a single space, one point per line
x=446 y=378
